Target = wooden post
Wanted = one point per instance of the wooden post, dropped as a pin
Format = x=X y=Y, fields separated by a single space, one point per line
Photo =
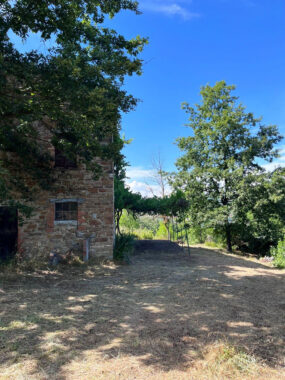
x=187 y=241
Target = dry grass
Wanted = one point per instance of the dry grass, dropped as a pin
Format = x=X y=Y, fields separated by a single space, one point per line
x=165 y=316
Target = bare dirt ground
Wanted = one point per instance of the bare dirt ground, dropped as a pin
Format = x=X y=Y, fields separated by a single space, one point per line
x=167 y=315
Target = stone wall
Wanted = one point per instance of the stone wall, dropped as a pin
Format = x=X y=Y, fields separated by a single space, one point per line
x=41 y=234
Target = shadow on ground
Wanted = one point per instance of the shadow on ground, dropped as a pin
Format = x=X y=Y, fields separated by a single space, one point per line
x=161 y=309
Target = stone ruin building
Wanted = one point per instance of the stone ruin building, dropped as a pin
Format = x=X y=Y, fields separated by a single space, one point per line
x=77 y=213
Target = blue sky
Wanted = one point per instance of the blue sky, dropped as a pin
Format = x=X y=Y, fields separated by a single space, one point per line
x=192 y=43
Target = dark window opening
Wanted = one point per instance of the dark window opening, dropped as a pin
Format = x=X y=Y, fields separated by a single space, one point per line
x=61 y=161
x=8 y=232
x=66 y=211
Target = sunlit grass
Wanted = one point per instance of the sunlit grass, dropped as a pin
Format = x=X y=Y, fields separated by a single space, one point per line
x=152 y=320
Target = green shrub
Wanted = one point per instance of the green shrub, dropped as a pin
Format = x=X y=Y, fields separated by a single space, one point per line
x=149 y=222
x=162 y=231
x=237 y=358
x=197 y=235
x=128 y=222
x=211 y=244
x=143 y=234
x=147 y=235
x=124 y=244
x=278 y=254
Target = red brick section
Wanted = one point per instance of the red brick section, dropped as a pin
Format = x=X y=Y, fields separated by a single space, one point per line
x=81 y=216
x=40 y=235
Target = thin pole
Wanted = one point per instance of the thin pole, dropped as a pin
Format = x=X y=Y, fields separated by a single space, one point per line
x=188 y=247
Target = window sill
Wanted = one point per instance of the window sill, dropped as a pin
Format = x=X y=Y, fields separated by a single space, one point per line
x=66 y=222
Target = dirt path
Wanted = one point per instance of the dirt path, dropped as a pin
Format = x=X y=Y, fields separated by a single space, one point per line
x=158 y=318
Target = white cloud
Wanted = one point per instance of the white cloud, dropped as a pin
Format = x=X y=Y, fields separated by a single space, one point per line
x=142 y=188
x=274 y=165
x=279 y=162
x=145 y=189
x=141 y=180
x=169 y=8
x=137 y=172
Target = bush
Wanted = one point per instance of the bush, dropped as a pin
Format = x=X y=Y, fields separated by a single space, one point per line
x=143 y=234
x=149 y=222
x=124 y=244
x=19 y=264
x=236 y=358
x=162 y=231
x=147 y=235
x=211 y=244
x=128 y=222
x=278 y=255
x=197 y=235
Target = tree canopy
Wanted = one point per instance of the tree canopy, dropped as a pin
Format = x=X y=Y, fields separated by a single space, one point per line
x=75 y=88
x=171 y=205
x=221 y=160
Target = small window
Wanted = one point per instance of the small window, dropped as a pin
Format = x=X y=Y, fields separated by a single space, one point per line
x=61 y=161
x=66 y=211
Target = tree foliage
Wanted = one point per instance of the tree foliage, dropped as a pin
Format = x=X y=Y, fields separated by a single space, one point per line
x=260 y=216
x=220 y=167
x=172 y=205
x=75 y=89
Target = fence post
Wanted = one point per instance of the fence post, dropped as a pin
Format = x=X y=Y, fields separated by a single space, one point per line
x=187 y=241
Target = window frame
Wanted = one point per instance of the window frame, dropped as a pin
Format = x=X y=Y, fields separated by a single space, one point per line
x=71 y=221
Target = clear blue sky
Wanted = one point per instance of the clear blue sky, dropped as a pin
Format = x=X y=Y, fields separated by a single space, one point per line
x=192 y=43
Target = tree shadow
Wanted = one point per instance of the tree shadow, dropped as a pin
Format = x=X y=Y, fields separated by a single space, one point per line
x=163 y=309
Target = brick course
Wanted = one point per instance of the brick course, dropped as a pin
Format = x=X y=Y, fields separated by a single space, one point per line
x=41 y=234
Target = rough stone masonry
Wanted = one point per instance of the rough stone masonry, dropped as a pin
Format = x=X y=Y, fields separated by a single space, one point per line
x=78 y=212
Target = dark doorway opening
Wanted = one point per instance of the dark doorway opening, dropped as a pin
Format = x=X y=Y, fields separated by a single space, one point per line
x=8 y=232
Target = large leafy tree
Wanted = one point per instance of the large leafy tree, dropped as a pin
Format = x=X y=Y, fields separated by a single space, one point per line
x=260 y=212
x=75 y=88
x=221 y=156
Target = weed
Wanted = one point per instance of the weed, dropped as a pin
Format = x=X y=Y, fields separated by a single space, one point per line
x=123 y=247
x=236 y=358
x=278 y=254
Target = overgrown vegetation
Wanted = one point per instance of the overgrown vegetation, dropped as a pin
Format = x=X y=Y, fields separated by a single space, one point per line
x=124 y=244
x=74 y=88
x=221 y=175
x=221 y=194
x=18 y=264
x=278 y=254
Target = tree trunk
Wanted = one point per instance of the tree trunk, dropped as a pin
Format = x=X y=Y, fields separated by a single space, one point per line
x=167 y=225
x=118 y=217
x=229 y=238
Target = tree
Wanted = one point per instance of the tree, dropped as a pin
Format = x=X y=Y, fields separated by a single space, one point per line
x=161 y=183
x=75 y=89
x=261 y=209
x=129 y=222
x=172 y=205
x=159 y=176
x=220 y=156
x=124 y=200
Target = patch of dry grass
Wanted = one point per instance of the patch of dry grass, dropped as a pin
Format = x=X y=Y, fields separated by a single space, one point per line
x=165 y=316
